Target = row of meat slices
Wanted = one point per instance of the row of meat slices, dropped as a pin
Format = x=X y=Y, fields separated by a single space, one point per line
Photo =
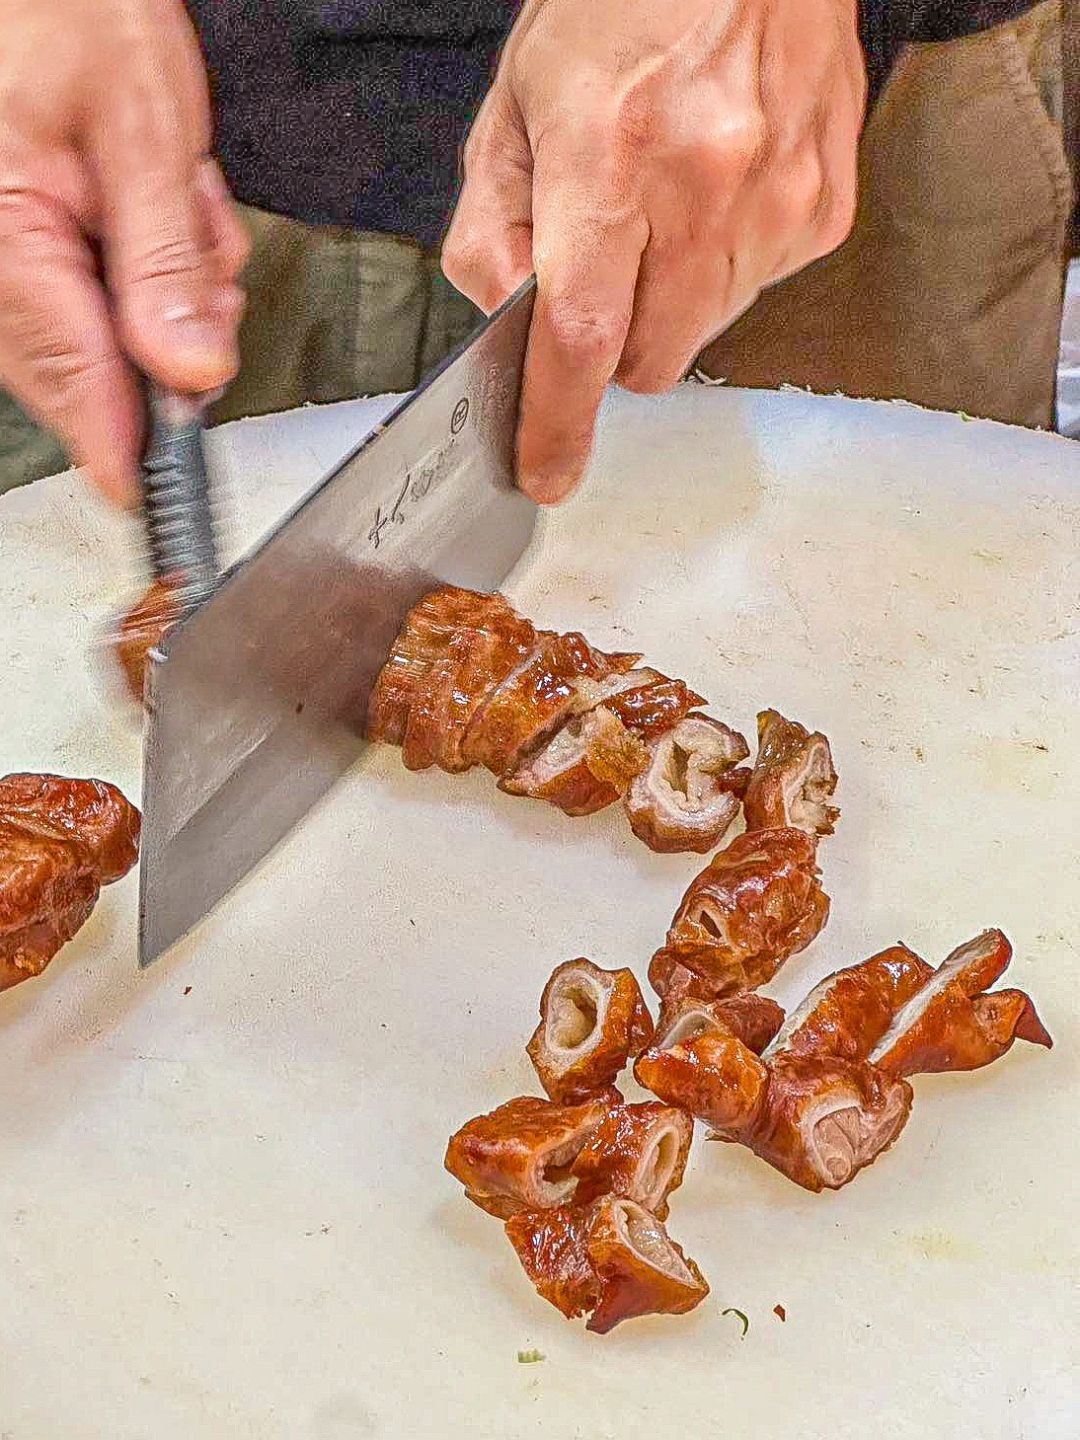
x=471 y=682
x=582 y=1180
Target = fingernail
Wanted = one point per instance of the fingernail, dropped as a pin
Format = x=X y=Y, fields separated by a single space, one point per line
x=548 y=487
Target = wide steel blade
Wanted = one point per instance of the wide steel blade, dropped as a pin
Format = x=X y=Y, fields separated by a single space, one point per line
x=257 y=702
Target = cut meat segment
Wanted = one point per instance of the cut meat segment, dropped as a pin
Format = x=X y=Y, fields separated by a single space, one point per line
x=552 y=1246
x=714 y=1076
x=753 y=1019
x=640 y=1269
x=686 y=798
x=591 y=1022
x=848 y=1012
x=639 y=1151
x=585 y=768
x=824 y=1119
x=758 y=902
x=948 y=1024
x=793 y=778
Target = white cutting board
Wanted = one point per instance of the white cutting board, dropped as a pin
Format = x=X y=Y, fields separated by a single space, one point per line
x=223 y=1212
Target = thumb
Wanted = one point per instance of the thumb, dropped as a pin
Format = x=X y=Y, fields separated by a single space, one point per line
x=488 y=249
x=177 y=312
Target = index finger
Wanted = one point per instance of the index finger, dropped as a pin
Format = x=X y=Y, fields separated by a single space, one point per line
x=587 y=254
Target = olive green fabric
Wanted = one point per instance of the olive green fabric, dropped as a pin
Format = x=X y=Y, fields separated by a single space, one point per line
x=26 y=452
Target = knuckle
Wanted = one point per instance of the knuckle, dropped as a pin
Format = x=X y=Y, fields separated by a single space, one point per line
x=166 y=257
x=734 y=153
x=838 y=218
x=592 y=332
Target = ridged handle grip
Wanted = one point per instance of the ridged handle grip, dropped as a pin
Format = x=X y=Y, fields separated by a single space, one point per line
x=177 y=502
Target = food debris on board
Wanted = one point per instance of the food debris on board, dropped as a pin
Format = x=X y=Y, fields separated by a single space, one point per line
x=741 y=1317
x=582 y=1180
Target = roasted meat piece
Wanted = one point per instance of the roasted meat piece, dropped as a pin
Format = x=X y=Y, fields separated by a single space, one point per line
x=756 y=903
x=639 y=1151
x=848 y=1012
x=714 y=1076
x=591 y=1022
x=640 y=1269
x=823 y=1119
x=613 y=1259
x=949 y=1024
x=751 y=1018
x=60 y=841
x=519 y=1157
x=585 y=768
x=793 y=779
x=688 y=795
x=143 y=630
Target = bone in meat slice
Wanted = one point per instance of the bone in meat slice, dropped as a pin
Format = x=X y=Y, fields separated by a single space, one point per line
x=591 y=1022
x=60 y=841
x=640 y=1269
x=686 y=799
x=756 y=903
x=714 y=1076
x=753 y=1019
x=477 y=661
x=538 y=695
x=639 y=1151
x=793 y=778
x=824 y=1119
x=518 y=1157
x=600 y=748
x=848 y=1012
x=949 y=1024
x=424 y=640
x=613 y=1259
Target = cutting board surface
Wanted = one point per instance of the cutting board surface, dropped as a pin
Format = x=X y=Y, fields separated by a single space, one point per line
x=222 y=1205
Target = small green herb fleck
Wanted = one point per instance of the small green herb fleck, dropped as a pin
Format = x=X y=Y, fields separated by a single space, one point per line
x=964 y=415
x=530 y=1357
x=745 y=1322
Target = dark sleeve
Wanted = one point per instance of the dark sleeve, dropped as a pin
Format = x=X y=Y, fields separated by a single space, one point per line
x=886 y=25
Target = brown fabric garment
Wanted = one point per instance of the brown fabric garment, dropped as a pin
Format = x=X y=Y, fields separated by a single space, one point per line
x=949 y=291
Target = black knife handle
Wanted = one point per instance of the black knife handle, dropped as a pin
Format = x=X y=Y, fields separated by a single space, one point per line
x=177 y=503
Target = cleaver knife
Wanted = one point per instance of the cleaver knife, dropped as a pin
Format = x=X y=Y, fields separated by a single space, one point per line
x=256 y=702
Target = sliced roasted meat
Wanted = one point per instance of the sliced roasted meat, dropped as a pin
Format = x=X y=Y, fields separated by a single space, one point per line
x=639 y=1151
x=613 y=1259
x=949 y=1024
x=793 y=779
x=714 y=1076
x=753 y=1019
x=519 y=1157
x=688 y=795
x=848 y=1012
x=585 y=768
x=591 y=1022
x=640 y=1269
x=143 y=629
x=822 y=1119
x=425 y=639
x=756 y=903
x=61 y=840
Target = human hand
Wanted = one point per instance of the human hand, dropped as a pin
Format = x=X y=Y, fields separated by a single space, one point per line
x=118 y=240
x=657 y=162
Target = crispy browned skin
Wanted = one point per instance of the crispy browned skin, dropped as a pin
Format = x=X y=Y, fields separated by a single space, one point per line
x=585 y=767
x=949 y=1024
x=823 y=1119
x=688 y=796
x=518 y=1157
x=425 y=639
x=60 y=841
x=143 y=629
x=754 y=1019
x=714 y=1076
x=613 y=1259
x=639 y=1151
x=552 y=1246
x=848 y=1012
x=591 y=1022
x=640 y=1269
x=793 y=778
x=756 y=903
